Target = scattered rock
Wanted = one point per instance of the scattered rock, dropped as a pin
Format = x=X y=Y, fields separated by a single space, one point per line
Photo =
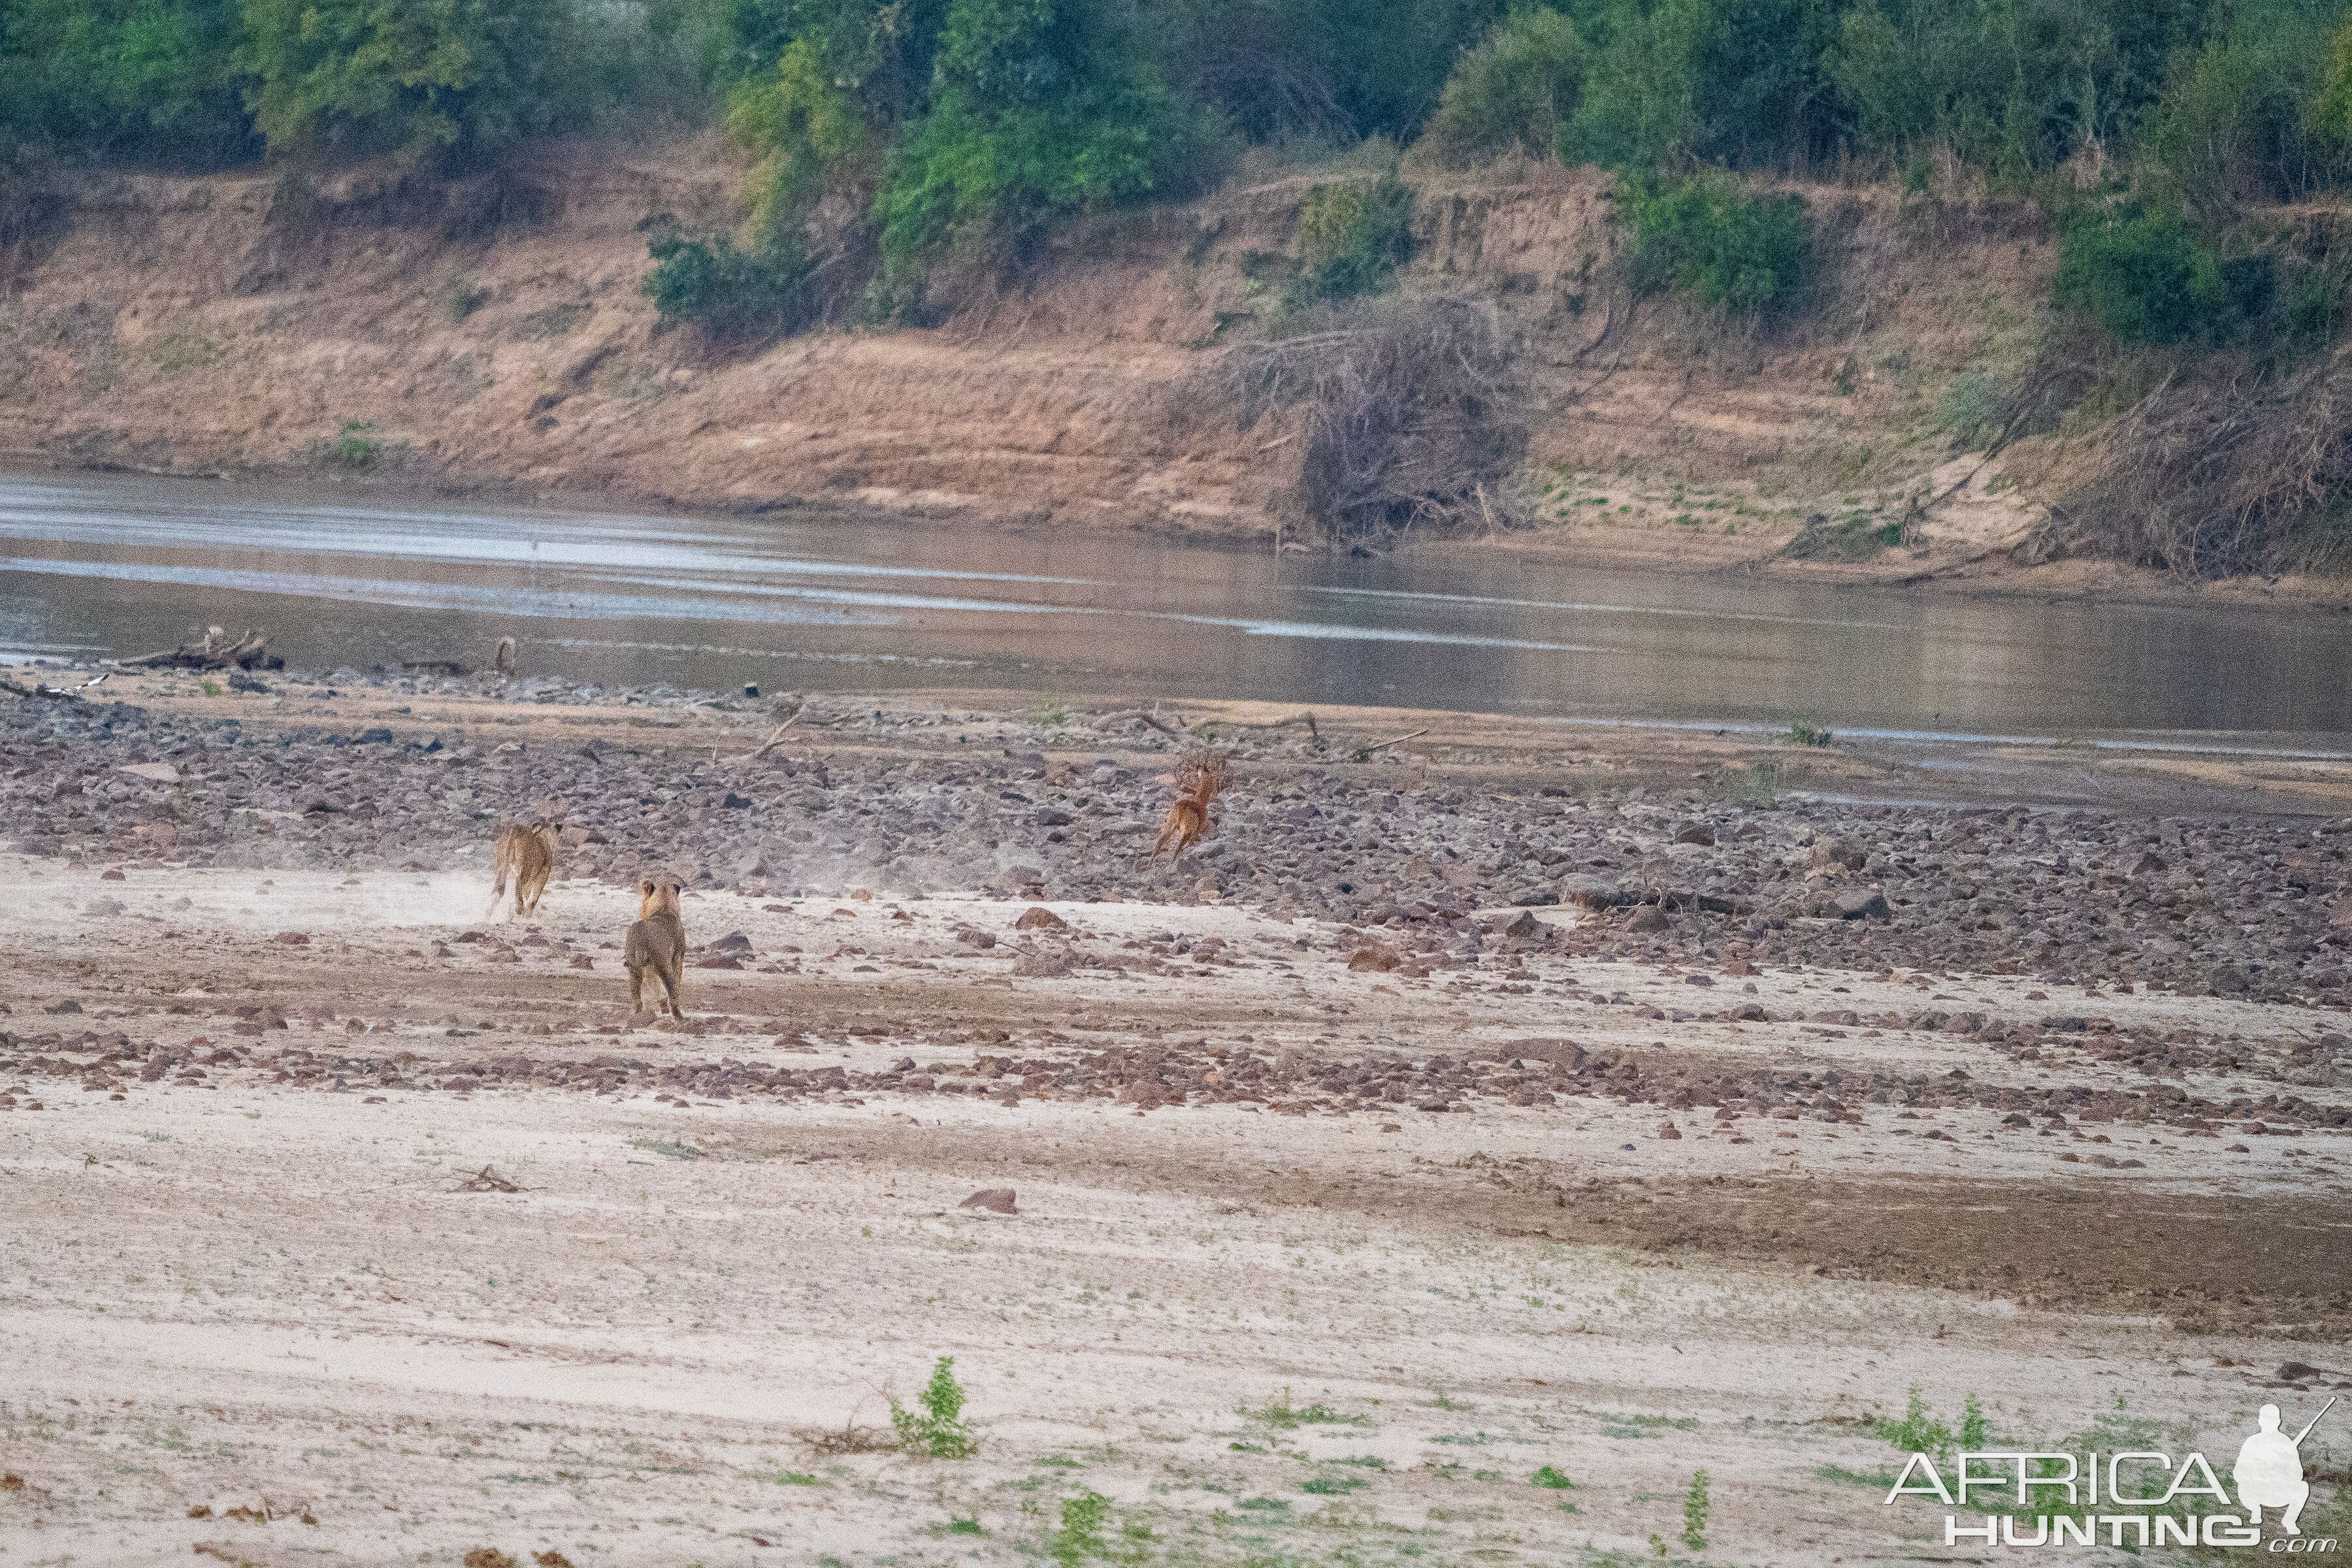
x=1589 y=892
x=995 y=1200
x=1037 y=917
x=1861 y=903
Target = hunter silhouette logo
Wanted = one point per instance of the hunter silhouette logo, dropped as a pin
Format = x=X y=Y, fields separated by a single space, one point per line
x=2269 y=1471
x=2014 y=1486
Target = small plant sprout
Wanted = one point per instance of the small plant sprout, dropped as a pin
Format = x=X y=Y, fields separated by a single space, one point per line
x=1805 y=732
x=1553 y=1480
x=935 y=1427
x=1917 y=1432
x=1288 y=1416
x=1080 y=1537
x=1974 y=1430
x=355 y=446
x=1694 y=1513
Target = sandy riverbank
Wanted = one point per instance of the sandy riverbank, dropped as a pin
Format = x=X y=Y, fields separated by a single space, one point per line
x=1353 y=1194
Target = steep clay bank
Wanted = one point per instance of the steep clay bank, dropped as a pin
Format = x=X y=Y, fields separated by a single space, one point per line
x=498 y=335
x=492 y=337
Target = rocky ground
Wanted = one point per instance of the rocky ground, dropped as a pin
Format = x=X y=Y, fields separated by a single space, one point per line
x=1490 y=1111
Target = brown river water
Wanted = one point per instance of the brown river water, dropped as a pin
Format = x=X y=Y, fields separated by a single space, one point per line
x=110 y=567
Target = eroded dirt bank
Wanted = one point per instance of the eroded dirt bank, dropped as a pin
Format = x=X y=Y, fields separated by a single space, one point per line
x=1358 y=1185
x=494 y=336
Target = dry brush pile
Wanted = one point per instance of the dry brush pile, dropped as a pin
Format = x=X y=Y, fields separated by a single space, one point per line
x=1408 y=415
x=2220 y=471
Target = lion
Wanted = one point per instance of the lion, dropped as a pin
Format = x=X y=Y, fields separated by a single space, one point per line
x=527 y=854
x=656 y=943
x=1200 y=780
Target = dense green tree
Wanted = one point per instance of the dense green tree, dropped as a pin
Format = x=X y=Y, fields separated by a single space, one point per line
x=2012 y=85
x=877 y=51
x=1035 y=112
x=138 y=78
x=1515 y=88
x=447 y=82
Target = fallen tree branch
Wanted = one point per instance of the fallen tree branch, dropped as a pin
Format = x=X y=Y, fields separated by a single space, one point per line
x=69 y=694
x=1364 y=753
x=215 y=652
x=778 y=736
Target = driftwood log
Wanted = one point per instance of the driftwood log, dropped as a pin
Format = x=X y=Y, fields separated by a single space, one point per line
x=62 y=693
x=218 y=651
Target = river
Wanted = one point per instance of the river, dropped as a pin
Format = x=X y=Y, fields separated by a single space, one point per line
x=112 y=566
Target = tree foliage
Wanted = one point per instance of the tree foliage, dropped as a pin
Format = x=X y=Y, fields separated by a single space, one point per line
x=143 y=78
x=1515 y=88
x=895 y=140
x=439 y=81
x=1707 y=234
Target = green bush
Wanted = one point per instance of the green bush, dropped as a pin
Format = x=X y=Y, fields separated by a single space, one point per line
x=2232 y=122
x=1968 y=411
x=1703 y=233
x=1515 y=89
x=442 y=82
x=1639 y=104
x=2329 y=115
x=1352 y=236
x=1694 y=1511
x=356 y=446
x=1080 y=1536
x=1919 y=1431
x=2144 y=277
x=2012 y=88
x=730 y=293
x=934 y=1427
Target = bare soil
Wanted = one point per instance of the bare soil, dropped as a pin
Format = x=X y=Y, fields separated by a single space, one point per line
x=1329 y=1242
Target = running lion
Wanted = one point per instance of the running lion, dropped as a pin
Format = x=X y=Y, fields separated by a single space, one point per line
x=527 y=854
